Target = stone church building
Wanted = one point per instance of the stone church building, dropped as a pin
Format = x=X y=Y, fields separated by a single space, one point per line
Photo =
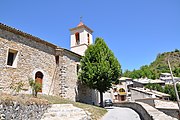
x=24 y=56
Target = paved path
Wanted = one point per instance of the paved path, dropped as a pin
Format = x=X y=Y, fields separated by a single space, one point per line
x=119 y=113
x=65 y=112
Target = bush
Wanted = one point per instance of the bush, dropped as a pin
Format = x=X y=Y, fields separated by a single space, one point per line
x=17 y=87
x=35 y=87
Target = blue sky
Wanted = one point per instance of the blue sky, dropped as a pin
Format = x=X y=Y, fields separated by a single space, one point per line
x=135 y=30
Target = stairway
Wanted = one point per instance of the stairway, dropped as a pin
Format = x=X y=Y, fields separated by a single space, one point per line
x=65 y=112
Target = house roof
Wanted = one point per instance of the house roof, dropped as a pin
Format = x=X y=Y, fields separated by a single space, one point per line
x=146 y=81
x=125 y=78
x=151 y=92
x=82 y=25
x=29 y=36
x=165 y=74
x=70 y=52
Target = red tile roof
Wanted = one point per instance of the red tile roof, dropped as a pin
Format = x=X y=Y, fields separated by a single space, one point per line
x=80 y=24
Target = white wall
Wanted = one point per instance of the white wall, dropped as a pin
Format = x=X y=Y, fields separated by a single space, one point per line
x=80 y=49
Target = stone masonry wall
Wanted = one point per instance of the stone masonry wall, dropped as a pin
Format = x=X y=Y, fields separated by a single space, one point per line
x=13 y=110
x=87 y=95
x=32 y=56
x=171 y=112
x=68 y=77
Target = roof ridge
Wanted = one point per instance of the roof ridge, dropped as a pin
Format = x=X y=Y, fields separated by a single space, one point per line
x=24 y=34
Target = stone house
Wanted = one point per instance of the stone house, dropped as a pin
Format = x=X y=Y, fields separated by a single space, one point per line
x=144 y=93
x=24 y=56
x=166 y=77
x=121 y=90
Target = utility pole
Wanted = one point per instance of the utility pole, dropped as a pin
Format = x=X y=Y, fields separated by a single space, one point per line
x=175 y=88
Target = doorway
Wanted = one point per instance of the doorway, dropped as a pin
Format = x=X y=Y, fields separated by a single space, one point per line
x=39 y=79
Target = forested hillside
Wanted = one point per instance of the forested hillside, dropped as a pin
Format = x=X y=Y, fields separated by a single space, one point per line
x=160 y=65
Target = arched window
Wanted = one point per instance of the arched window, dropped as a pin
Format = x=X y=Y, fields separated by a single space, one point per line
x=88 y=38
x=39 y=79
x=121 y=90
x=77 y=38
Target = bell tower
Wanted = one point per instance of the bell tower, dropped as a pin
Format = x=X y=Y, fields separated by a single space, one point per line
x=81 y=38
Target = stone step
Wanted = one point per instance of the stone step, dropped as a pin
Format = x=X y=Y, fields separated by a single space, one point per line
x=64 y=118
x=65 y=112
x=62 y=105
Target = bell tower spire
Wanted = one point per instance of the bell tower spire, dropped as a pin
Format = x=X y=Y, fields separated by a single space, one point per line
x=81 y=38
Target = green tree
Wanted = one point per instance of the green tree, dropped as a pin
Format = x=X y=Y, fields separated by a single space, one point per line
x=158 y=66
x=176 y=50
x=156 y=87
x=99 y=68
x=176 y=71
x=169 y=89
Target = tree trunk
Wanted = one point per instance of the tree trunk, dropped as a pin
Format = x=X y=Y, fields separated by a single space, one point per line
x=101 y=99
x=35 y=94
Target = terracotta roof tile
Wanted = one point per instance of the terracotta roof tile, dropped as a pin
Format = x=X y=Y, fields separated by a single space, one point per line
x=80 y=24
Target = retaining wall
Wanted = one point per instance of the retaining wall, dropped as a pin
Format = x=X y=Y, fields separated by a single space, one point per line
x=14 y=110
x=145 y=111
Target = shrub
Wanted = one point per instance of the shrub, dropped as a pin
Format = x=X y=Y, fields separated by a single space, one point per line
x=17 y=87
x=35 y=87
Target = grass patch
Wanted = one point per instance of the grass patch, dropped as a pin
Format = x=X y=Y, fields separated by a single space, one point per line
x=96 y=112
x=22 y=99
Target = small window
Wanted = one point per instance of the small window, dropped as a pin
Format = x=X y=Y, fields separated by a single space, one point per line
x=77 y=68
x=57 y=60
x=77 y=38
x=88 y=38
x=12 y=58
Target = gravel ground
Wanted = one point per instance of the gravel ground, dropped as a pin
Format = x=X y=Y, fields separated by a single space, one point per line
x=119 y=113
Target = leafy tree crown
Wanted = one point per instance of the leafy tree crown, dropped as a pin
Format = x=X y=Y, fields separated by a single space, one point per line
x=99 y=67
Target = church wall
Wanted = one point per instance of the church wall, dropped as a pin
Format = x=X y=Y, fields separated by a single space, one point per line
x=32 y=56
x=68 y=73
x=79 y=49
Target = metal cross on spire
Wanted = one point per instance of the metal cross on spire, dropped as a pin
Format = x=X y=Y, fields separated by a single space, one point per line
x=81 y=23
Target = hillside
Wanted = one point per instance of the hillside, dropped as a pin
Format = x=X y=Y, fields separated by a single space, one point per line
x=160 y=65
x=162 y=59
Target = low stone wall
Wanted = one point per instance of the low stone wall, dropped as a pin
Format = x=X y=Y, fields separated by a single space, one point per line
x=14 y=110
x=168 y=107
x=171 y=112
x=145 y=111
x=136 y=107
x=149 y=101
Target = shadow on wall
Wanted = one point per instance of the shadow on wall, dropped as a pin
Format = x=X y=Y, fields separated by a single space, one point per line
x=86 y=95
